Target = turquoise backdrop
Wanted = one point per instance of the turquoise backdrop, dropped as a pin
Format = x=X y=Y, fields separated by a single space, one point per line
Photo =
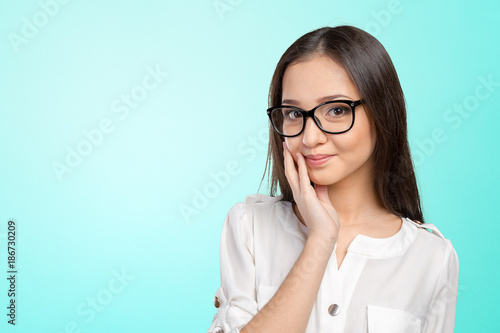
x=128 y=129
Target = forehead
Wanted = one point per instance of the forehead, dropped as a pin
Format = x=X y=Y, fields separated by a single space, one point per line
x=306 y=82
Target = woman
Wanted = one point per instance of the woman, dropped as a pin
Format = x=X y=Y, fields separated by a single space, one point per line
x=343 y=248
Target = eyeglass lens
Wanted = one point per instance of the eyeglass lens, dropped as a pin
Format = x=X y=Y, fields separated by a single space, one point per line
x=331 y=117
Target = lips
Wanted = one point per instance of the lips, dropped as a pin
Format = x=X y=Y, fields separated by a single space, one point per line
x=316 y=160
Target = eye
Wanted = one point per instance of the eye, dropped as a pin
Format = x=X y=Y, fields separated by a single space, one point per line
x=292 y=114
x=338 y=110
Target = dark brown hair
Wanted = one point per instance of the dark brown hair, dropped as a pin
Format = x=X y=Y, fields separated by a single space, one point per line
x=374 y=75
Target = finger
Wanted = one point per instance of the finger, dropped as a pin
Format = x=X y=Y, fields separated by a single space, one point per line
x=304 y=181
x=290 y=170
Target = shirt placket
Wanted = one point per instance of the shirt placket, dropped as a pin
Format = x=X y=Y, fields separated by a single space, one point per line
x=336 y=290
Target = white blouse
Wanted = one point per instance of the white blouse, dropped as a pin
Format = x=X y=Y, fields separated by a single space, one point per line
x=405 y=283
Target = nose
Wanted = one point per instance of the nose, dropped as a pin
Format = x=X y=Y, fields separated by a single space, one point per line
x=312 y=134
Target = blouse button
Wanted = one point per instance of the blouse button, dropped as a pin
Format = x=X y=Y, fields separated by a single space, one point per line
x=216 y=302
x=333 y=310
x=218 y=329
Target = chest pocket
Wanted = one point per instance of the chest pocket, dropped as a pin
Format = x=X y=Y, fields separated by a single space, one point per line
x=264 y=294
x=386 y=320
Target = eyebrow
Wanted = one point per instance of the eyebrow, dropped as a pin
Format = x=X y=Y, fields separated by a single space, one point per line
x=319 y=100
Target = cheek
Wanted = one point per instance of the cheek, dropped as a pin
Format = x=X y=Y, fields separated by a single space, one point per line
x=358 y=142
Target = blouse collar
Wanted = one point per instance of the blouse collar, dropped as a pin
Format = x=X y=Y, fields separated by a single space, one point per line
x=385 y=247
x=362 y=244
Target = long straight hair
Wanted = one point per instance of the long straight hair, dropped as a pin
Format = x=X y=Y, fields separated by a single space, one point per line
x=373 y=73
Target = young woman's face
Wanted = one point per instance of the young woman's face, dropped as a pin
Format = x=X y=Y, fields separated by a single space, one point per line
x=309 y=83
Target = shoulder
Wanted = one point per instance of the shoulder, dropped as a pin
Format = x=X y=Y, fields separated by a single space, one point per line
x=262 y=199
x=252 y=208
x=262 y=216
x=429 y=232
x=432 y=241
x=255 y=203
x=254 y=218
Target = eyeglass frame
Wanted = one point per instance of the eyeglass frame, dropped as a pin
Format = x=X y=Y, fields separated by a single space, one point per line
x=310 y=113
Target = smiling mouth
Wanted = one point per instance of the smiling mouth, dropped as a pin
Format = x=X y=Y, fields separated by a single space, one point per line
x=317 y=160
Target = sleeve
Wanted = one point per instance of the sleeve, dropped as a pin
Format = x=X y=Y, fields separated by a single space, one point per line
x=235 y=299
x=441 y=316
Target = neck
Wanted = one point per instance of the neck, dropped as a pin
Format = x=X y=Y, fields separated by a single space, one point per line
x=355 y=199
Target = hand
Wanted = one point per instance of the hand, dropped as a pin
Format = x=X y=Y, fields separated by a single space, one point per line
x=313 y=203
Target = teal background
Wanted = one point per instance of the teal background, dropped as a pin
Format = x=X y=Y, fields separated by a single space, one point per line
x=118 y=212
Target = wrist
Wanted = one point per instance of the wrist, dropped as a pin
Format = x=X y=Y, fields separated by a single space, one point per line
x=327 y=239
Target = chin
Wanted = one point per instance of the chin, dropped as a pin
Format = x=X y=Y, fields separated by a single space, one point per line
x=323 y=179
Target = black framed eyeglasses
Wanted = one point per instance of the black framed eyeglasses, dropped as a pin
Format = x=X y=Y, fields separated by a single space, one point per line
x=333 y=117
